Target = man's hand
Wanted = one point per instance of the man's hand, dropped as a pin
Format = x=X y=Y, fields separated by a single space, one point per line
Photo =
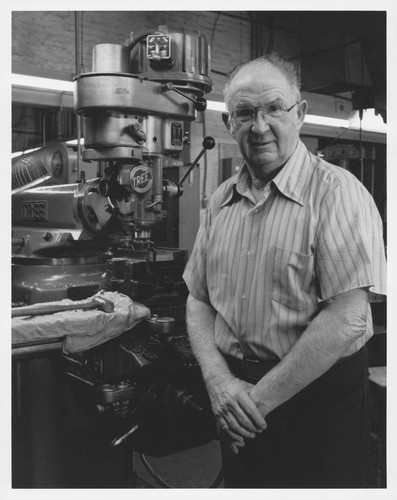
x=233 y=443
x=237 y=416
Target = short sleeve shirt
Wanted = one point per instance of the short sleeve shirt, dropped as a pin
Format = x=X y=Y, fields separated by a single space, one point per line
x=267 y=267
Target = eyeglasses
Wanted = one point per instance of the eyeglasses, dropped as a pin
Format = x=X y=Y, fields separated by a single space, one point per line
x=269 y=112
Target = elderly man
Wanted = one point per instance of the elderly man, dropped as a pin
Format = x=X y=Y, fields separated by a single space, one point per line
x=278 y=311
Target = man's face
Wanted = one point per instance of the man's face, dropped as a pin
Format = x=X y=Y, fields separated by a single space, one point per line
x=267 y=143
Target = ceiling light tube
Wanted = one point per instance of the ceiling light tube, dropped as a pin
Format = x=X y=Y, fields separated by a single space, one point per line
x=326 y=121
x=41 y=83
x=216 y=106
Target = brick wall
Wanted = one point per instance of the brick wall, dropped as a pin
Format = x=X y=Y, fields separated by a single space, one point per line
x=46 y=40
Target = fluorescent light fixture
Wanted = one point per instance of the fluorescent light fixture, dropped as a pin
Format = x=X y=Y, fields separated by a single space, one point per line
x=41 y=83
x=326 y=121
x=370 y=122
x=73 y=142
x=20 y=153
x=216 y=106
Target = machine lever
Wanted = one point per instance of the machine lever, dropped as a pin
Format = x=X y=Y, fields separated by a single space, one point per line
x=117 y=441
x=199 y=103
x=208 y=143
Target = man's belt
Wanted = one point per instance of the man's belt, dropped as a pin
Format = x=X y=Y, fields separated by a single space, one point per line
x=250 y=370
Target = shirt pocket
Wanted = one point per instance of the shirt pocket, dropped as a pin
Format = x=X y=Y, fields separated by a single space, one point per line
x=292 y=278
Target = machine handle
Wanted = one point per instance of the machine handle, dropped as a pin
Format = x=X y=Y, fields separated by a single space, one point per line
x=100 y=303
x=119 y=440
x=199 y=103
x=208 y=143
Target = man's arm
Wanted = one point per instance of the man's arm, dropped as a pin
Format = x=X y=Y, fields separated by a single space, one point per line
x=328 y=336
x=233 y=408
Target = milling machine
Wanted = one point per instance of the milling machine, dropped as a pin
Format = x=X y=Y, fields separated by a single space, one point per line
x=134 y=104
x=71 y=240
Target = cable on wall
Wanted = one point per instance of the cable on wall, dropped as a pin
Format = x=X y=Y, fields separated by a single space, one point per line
x=78 y=31
x=214 y=28
x=204 y=199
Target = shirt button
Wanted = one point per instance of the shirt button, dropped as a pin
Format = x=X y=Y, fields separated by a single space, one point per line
x=243 y=297
x=255 y=211
x=249 y=255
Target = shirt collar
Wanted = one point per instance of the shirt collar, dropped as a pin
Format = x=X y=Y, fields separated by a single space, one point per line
x=238 y=187
x=292 y=177
x=290 y=181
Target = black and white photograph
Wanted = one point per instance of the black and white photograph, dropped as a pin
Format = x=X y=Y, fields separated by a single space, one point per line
x=199 y=250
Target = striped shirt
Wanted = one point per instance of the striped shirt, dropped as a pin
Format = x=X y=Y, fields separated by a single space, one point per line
x=266 y=267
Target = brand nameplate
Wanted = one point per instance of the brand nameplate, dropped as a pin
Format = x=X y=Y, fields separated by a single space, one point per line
x=34 y=211
x=141 y=179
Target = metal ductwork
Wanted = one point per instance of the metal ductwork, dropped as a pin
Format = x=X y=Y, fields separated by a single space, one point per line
x=337 y=70
x=345 y=52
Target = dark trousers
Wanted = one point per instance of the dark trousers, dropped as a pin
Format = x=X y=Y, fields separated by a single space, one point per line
x=317 y=439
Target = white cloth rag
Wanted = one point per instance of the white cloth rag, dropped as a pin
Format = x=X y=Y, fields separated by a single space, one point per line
x=79 y=329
